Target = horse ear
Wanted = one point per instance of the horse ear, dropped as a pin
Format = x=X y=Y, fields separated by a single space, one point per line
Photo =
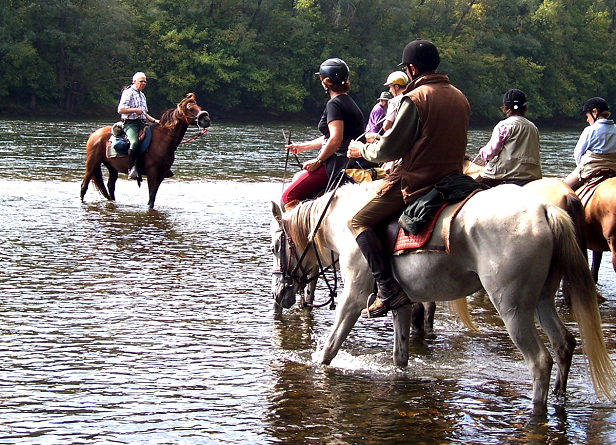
x=277 y=212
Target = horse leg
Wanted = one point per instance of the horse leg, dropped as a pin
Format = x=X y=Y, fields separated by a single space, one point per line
x=347 y=313
x=422 y=320
x=417 y=320
x=402 y=328
x=520 y=324
x=597 y=255
x=429 y=319
x=153 y=184
x=84 y=184
x=358 y=285
x=111 y=182
x=562 y=341
x=94 y=173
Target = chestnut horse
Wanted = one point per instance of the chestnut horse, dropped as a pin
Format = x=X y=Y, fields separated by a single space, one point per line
x=600 y=213
x=155 y=162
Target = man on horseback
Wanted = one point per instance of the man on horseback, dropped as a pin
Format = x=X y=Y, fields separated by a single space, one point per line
x=595 y=151
x=133 y=109
x=430 y=135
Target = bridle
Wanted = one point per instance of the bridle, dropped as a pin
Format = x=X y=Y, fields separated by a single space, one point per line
x=195 y=118
x=290 y=273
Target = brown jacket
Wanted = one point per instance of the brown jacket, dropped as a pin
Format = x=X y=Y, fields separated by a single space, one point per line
x=437 y=147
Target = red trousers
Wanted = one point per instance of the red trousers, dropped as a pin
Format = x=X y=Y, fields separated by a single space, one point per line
x=306 y=185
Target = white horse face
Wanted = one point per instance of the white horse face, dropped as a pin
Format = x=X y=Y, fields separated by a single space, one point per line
x=285 y=283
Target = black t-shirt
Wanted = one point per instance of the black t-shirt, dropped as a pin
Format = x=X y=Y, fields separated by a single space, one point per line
x=343 y=108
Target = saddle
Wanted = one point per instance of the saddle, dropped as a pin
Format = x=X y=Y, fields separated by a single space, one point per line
x=586 y=191
x=430 y=214
x=118 y=144
x=433 y=236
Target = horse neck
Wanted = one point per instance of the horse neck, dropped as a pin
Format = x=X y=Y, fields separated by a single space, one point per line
x=175 y=133
x=306 y=216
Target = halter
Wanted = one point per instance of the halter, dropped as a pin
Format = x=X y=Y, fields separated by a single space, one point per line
x=203 y=130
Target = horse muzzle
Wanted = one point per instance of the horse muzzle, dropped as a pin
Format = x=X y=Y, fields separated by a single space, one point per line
x=203 y=119
x=284 y=290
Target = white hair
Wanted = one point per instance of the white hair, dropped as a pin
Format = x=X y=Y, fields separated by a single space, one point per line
x=138 y=75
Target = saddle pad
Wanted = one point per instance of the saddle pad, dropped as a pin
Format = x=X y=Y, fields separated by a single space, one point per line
x=410 y=241
x=586 y=191
x=434 y=237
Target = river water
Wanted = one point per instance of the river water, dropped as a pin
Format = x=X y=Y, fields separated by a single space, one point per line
x=123 y=325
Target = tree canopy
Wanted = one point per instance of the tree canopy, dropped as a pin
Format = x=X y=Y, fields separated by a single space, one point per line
x=249 y=58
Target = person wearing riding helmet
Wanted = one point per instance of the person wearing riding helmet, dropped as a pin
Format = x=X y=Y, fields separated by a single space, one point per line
x=397 y=82
x=513 y=150
x=430 y=135
x=596 y=148
x=342 y=120
x=377 y=114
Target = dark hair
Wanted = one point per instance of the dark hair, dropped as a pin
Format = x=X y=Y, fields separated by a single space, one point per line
x=510 y=111
x=335 y=86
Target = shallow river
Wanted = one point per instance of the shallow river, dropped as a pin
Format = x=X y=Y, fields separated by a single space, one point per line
x=123 y=325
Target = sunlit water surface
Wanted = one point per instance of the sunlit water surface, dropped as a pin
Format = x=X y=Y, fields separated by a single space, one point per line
x=125 y=325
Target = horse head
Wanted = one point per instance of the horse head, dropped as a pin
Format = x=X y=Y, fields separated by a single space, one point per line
x=187 y=111
x=287 y=275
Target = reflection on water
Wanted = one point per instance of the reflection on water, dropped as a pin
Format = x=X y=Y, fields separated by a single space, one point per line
x=125 y=325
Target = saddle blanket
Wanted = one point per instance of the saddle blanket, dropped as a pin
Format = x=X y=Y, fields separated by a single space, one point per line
x=434 y=236
x=117 y=146
x=586 y=191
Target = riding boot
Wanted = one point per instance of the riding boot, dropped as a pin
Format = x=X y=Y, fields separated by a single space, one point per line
x=389 y=294
x=132 y=168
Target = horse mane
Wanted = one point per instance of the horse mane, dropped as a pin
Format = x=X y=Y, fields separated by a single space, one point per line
x=306 y=215
x=170 y=118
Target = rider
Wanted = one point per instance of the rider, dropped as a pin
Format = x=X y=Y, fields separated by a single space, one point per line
x=133 y=109
x=596 y=147
x=377 y=114
x=342 y=120
x=513 y=149
x=397 y=82
x=430 y=135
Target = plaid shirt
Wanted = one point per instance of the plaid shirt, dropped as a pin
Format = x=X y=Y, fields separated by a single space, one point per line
x=133 y=98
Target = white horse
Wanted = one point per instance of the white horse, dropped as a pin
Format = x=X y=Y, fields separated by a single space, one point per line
x=507 y=240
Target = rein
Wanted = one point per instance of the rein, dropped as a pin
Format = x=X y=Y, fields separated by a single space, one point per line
x=195 y=137
x=288 y=277
x=322 y=270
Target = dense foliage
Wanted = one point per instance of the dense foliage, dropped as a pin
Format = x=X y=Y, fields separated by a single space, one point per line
x=257 y=57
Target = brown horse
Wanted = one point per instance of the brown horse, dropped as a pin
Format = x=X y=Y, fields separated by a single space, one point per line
x=155 y=162
x=600 y=213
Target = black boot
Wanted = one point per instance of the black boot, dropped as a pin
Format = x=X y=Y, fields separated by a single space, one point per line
x=132 y=169
x=390 y=294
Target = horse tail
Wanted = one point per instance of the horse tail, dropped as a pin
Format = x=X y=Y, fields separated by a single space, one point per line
x=570 y=263
x=574 y=207
x=93 y=165
x=459 y=308
x=99 y=182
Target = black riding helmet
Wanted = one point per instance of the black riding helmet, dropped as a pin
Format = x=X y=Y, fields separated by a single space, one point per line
x=336 y=69
x=422 y=54
x=594 y=102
